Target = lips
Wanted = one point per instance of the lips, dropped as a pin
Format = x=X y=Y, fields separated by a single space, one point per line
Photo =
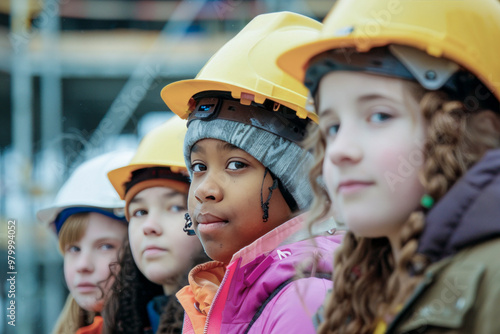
x=207 y=218
x=86 y=287
x=153 y=251
x=209 y=224
x=352 y=186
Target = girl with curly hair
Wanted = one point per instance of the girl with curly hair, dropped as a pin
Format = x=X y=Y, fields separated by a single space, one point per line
x=409 y=150
x=157 y=255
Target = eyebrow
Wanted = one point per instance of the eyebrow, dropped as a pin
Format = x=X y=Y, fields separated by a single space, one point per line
x=221 y=146
x=370 y=97
x=325 y=111
x=108 y=238
x=227 y=146
x=171 y=194
x=364 y=98
x=197 y=149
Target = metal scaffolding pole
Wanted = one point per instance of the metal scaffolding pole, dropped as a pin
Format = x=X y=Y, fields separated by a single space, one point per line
x=22 y=94
x=50 y=81
x=52 y=150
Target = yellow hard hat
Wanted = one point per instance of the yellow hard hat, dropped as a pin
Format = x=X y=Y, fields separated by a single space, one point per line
x=467 y=32
x=247 y=65
x=161 y=147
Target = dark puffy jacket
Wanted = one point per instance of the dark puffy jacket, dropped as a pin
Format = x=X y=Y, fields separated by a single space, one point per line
x=461 y=289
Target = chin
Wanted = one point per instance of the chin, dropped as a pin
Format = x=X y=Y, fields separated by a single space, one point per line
x=91 y=306
x=217 y=257
x=365 y=228
x=156 y=276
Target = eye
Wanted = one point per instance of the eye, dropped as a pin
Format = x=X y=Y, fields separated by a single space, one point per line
x=379 y=117
x=106 y=246
x=72 y=249
x=198 y=167
x=332 y=130
x=139 y=213
x=235 y=165
x=177 y=208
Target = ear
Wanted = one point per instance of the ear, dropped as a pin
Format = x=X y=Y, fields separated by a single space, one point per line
x=487 y=122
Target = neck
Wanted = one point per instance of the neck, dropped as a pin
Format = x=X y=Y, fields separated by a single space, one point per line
x=170 y=288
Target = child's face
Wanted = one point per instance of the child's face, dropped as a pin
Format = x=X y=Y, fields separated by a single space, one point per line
x=86 y=262
x=161 y=250
x=374 y=133
x=225 y=198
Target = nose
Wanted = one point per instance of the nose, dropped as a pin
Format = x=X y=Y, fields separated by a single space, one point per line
x=345 y=149
x=209 y=188
x=152 y=226
x=84 y=263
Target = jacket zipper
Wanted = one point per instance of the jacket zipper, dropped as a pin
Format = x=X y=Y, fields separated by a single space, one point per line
x=205 y=330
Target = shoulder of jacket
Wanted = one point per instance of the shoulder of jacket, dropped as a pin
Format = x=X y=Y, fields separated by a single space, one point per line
x=457 y=289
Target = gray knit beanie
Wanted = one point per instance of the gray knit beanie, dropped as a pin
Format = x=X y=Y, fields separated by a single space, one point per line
x=286 y=160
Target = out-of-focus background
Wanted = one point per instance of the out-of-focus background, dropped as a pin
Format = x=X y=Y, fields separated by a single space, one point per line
x=79 y=78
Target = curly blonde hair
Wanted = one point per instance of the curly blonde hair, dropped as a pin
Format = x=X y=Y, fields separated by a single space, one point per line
x=368 y=283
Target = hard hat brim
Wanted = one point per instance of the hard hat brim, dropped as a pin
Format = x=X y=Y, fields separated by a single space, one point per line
x=49 y=215
x=178 y=94
x=118 y=177
x=296 y=60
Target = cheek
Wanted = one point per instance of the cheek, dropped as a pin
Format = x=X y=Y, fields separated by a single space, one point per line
x=69 y=272
x=400 y=167
x=329 y=176
x=135 y=239
x=104 y=262
x=192 y=202
x=172 y=228
x=252 y=194
x=190 y=247
x=389 y=159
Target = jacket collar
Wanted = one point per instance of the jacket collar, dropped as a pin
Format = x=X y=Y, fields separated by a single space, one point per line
x=204 y=280
x=270 y=240
x=466 y=214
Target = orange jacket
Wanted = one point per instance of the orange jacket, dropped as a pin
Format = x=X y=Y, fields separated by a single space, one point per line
x=94 y=328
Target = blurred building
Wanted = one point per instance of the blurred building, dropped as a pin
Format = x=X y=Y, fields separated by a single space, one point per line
x=83 y=77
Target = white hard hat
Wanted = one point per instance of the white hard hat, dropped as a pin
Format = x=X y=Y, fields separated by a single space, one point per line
x=88 y=189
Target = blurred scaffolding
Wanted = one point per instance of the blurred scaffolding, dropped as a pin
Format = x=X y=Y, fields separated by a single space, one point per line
x=80 y=78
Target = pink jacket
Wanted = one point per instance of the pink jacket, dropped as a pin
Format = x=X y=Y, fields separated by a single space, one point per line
x=228 y=299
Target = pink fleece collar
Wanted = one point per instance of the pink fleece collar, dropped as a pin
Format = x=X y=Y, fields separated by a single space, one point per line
x=269 y=241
